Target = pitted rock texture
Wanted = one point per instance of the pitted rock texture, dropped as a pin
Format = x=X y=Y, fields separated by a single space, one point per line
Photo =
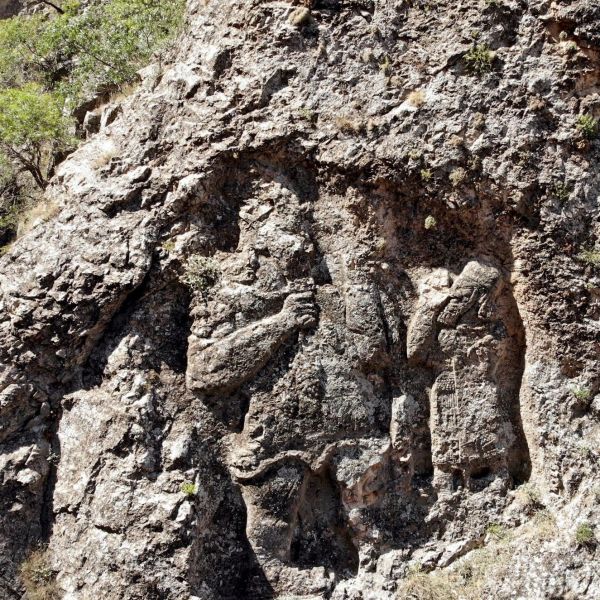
x=357 y=389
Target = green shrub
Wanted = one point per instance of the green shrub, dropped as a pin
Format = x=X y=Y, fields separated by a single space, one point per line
x=32 y=128
x=588 y=126
x=111 y=41
x=479 y=59
x=49 y=64
x=584 y=534
x=86 y=49
x=426 y=174
x=21 y=56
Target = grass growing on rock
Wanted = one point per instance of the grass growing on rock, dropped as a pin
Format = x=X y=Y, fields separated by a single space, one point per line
x=38 y=578
x=201 y=273
x=469 y=578
x=479 y=59
x=188 y=488
x=590 y=257
x=584 y=534
x=587 y=126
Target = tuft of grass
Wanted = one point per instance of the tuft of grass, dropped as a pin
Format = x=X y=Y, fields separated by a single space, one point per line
x=188 y=488
x=349 y=125
x=415 y=154
x=300 y=16
x=581 y=393
x=588 y=126
x=457 y=176
x=307 y=114
x=496 y=531
x=529 y=496
x=168 y=246
x=201 y=273
x=420 y=585
x=561 y=192
x=38 y=578
x=38 y=213
x=584 y=534
x=426 y=174
x=385 y=66
x=479 y=59
x=105 y=154
x=430 y=222
x=590 y=257
x=416 y=98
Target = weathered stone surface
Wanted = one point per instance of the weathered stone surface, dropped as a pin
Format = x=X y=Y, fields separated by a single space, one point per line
x=350 y=393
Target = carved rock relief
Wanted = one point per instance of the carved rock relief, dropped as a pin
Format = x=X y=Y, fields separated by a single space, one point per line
x=297 y=338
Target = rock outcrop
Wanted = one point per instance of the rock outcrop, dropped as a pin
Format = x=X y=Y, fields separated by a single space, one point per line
x=319 y=307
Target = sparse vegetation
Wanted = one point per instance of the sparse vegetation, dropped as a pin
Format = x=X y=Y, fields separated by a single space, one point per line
x=416 y=98
x=39 y=212
x=588 y=126
x=300 y=16
x=168 y=246
x=201 y=273
x=529 y=496
x=188 y=488
x=479 y=59
x=385 y=66
x=478 y=121
x=105 y=155
x=38 y=578
x=426 y=175
x=584 y=534
x=430 y=222
x=581 y=393
x=470 y=577
x=591 y=257
x=543 y=525
x=561 y=192
x=307 y=114
x=457 y=176
x=349 y=125
x=420 y=585
x=496 y=531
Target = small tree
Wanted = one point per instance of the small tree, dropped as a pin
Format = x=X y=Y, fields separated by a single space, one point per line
x=33 y=129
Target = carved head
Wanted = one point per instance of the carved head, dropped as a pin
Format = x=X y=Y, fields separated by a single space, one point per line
x=474 y=283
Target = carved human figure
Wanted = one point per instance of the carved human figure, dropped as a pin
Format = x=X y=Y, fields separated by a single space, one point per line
x=466 y=331
x=298 y=364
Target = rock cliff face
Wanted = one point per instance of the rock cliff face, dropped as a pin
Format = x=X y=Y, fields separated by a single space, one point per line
x=318 y=312
x=8 y=8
